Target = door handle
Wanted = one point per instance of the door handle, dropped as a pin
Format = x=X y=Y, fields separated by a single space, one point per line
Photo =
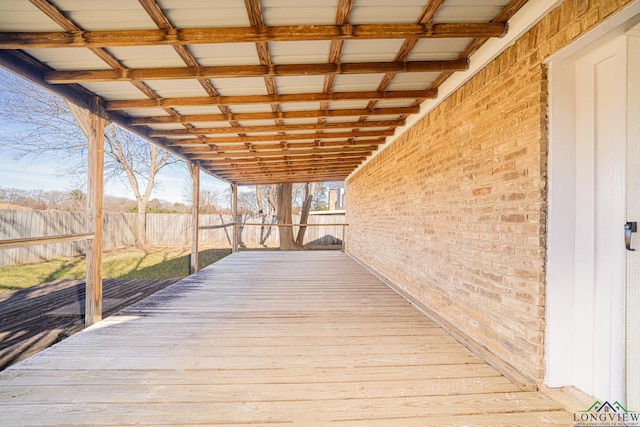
x=629 y=227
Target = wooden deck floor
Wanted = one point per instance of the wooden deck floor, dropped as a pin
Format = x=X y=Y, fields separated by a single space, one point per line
x=268 y=338
x=34 y=318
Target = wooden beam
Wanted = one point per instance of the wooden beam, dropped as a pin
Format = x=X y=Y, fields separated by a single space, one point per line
x=304 y=176
x=284 y=167
x=272 y=70
x=279 y=115
x=429 y=11
x=364 y=150
x=301 y=168
x=155 y=12
x=162 y=21
x=254 y=12
x=194 y=171
x=68 y=25
x=212 y=163
x=95 y=157
x=242 y=173
x=187 y=149
x=277 y=128
x=187 y=36
x=247 y=148
x=343 y=14
x=234 y=214
x=226 y=167
x=269 y=99
x=291 y=178
x=288 y=137
x=311 y=164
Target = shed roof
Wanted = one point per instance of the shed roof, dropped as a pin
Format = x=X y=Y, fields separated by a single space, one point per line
x=254 y=91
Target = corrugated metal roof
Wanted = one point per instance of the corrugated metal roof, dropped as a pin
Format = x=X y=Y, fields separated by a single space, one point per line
x=205 y=13
x=173 y=68
x=209 y=55
x=469 y=10
x=294 y=12
x=385 y=12
x=106 y=15
x=69 y=59
x=20 y=15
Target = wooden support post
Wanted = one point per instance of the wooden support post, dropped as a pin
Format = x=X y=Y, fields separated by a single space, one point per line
x=195 y=216
x=234 y=214
x=95 y=175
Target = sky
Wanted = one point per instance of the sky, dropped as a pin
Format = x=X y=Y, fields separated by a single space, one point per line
x=43 y=174
x=173 y=182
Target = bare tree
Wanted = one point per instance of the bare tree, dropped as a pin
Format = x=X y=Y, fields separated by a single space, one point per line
x=50 y=125
x=248 y=203
x=268 y=196
x=306 y=208
x=211 y=201
x=283 y=203
x=259 y=200
x=281 y=200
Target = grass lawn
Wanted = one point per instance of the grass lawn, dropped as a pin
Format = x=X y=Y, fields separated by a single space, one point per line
x=125 y=263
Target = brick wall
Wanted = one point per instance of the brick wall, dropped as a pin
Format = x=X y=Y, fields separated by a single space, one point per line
x=454 y=210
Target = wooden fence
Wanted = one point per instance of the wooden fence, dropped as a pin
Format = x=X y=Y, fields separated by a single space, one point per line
x=162 y=230
x=119 y=231
x=174 y=230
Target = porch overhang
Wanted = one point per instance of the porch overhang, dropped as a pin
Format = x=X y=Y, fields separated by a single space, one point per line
x=252 y=92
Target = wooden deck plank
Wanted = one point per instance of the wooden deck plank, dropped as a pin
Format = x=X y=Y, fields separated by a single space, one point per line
x=34 y=318
x=268 y=338
x=290 y=375
x=394 y=411
x=262 y=391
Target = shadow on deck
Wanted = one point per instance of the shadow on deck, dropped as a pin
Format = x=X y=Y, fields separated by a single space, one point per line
x=34 y=318
x=268 y=338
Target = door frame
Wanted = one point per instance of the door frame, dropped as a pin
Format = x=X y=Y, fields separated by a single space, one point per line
x=560 y=347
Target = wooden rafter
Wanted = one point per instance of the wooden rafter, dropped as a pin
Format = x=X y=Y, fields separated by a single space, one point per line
x=254 y=12
x=262 y=99
x=288 y=137
x=277 y=128
x=240 y=162
x=264 y=161
x=59 y=18
x=267 y=70
x=161 y=20
x=256 y=147
x=347 y=112
x=364 y=150
x=187 y=36
x=291 y=178
x=300 y=168
x=342 y=17
x=283 y=166
x=409 y=44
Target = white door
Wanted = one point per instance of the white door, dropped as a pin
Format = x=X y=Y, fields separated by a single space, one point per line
x=593 y=281
x=600 y=271
x=586 y=255
x=633 y=214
